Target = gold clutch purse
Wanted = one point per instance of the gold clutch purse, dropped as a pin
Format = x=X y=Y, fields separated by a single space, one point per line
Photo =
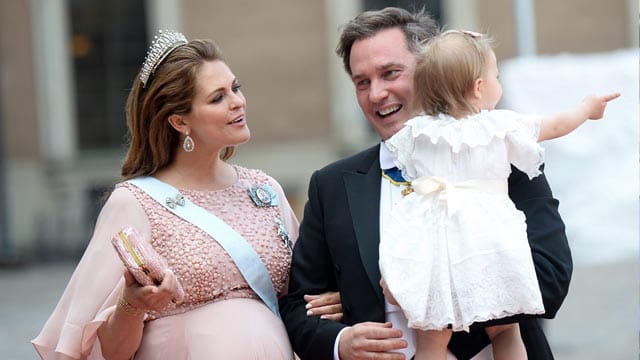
x=141 y=259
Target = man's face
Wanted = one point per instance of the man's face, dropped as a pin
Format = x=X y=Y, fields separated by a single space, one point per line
x=382 y=71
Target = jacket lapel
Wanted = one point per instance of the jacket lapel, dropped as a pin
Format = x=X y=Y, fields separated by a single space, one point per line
x=363 y=193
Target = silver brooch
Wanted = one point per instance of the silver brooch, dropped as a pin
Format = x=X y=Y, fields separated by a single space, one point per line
x=263 y=195
x=172 y=202
x=284 y=234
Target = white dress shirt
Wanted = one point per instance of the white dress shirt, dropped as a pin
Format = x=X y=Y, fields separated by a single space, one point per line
x=389 y=195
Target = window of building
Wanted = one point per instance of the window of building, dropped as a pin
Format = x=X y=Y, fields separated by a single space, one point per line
x=109 y=39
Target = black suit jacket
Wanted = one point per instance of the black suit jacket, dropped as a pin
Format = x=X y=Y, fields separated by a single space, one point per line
x=337 y=250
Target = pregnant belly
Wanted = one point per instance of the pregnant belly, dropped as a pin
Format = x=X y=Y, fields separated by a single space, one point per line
x=227 y=329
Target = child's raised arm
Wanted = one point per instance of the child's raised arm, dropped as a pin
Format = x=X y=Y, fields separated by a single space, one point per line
x=560 y=124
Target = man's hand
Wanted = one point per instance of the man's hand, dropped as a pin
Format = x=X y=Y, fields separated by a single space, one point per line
x=371 y=340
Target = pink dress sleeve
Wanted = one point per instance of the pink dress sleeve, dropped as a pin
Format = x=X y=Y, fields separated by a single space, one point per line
x=95 y=285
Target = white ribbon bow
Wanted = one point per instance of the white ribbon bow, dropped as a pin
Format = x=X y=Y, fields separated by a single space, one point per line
x=453 y=193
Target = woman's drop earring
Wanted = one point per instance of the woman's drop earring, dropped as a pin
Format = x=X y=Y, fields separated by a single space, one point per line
x=188 y=145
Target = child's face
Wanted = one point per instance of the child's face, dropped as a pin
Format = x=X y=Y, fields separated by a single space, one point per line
x=490 y=89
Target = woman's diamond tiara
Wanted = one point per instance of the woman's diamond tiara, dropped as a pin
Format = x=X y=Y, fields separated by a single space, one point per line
x=163 y=43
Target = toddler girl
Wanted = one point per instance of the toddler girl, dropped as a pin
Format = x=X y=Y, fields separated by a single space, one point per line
x=454 y=251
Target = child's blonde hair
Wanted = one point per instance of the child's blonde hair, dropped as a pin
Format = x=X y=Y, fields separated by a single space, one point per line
x=447 y=69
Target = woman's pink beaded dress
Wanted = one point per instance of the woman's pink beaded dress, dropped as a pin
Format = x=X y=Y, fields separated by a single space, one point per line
x=221 y=317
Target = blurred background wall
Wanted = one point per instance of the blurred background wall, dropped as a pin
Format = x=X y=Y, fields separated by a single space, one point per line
x=66 y=67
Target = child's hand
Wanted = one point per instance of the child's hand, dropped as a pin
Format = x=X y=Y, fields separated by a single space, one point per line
x=387 y=293
x=595 y=105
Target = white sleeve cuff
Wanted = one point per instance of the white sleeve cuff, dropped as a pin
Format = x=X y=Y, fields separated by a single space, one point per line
x=335 y=345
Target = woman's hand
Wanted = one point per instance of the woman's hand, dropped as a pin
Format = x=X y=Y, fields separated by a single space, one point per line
x=326 y=305
x=151 y=298
x=121 y=334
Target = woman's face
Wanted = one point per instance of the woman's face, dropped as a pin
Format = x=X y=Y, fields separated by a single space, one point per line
x=217 y=117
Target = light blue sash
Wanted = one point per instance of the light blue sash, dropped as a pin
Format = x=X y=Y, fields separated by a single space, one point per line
x=243 y=255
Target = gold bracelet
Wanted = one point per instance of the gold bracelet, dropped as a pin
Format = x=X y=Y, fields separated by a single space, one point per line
x=125 y=306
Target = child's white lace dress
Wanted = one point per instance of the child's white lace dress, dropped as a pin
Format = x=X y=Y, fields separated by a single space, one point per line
x=455 y=251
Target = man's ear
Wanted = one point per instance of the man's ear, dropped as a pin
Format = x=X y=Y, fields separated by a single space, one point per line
x=178 y=123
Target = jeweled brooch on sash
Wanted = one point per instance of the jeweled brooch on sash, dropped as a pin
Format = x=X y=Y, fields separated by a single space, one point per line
x=263 y=195
x=178 y=200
